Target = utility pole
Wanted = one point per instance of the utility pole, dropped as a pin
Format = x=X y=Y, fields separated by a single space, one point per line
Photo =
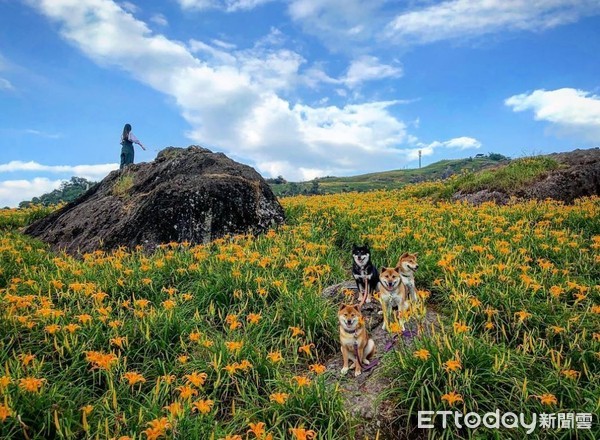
x=419 y=159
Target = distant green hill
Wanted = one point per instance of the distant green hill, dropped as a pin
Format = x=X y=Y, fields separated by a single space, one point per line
x=389 y=179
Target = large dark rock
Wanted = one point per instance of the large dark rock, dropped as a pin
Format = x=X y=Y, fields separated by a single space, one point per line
x=189 y=194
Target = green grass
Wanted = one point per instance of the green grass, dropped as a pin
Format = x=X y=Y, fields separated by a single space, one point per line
x=515 y=175
x=18 y=218
x=123 y=184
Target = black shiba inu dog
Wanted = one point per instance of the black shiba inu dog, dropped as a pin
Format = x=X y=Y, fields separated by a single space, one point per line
x=364 y=272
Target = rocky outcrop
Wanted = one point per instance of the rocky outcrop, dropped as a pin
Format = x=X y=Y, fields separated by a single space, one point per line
x=185 y=195
x=578 y=175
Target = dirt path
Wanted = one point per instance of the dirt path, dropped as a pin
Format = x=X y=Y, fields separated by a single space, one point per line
x=362 y=392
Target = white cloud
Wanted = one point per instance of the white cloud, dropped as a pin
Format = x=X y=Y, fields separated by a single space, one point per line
x=227 y=5
x=233 y=99
x=576 y=111
x=12 y=192
x=159 y=19
x=460 y=143
x=129 y=6
x=368 y=68
x=339 y=23
x=42 y=133
x=274 y=38
x=198 y=4
x=223 y=44
x=6 y=85
x=90 y=172
x=466 y=18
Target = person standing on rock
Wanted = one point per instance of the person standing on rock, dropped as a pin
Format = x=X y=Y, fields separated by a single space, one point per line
x=127 y=141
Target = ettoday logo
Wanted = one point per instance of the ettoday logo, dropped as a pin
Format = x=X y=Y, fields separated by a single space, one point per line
x=508 y=420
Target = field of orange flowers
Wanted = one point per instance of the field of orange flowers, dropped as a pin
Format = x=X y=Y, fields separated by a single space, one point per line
x=228 y=340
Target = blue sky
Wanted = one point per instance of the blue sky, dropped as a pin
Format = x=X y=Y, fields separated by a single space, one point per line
x=301 y=88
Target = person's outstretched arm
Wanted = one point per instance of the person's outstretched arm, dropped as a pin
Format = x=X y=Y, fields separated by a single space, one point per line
x=135 y=140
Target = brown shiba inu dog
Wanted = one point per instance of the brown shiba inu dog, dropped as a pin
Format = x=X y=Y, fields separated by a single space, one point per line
x=392 y=295
x=408 y=265
x=356 y=345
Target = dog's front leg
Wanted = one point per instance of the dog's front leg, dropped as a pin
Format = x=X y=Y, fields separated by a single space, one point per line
x=385 y=314
x=345 y=357
x=358 y=361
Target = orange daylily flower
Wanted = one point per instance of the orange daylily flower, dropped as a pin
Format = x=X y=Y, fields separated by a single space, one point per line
x=452 y=397
x=31 y=384
x=452 y=365
x=280 y=398
x=302 y=381
x=275 y=356
x=422 y=354
x=317 y=368
x=548 y=399
x=303 y=434
x=175 y=409
x=134 y=377
x=186 y=392
x=197 y=379
x=5 y=412
x=202 y=406
x=254 y=318
x=460 y=327
x=306 y=349
x=296 y=331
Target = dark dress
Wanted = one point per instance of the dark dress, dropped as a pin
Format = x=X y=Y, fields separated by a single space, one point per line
x=126 y=152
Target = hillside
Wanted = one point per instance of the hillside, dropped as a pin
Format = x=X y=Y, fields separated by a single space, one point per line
x=390 y=179
x=559 y=176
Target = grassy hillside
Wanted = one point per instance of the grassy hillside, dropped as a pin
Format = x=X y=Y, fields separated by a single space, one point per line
x=388 y=179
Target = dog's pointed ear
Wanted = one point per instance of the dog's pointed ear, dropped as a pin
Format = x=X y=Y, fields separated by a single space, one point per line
x=398 y=268
x=404 y=255
x=415 y=254
x=383 y=269
x=341 y=307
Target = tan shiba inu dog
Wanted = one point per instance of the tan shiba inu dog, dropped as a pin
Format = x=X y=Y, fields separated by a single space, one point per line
x=408 y=265
x=392 y=295
x=356 y=345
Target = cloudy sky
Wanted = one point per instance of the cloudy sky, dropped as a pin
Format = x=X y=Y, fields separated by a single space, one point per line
x=299 y=88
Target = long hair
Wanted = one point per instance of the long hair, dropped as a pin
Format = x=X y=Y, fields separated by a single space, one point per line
x=126 y=131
